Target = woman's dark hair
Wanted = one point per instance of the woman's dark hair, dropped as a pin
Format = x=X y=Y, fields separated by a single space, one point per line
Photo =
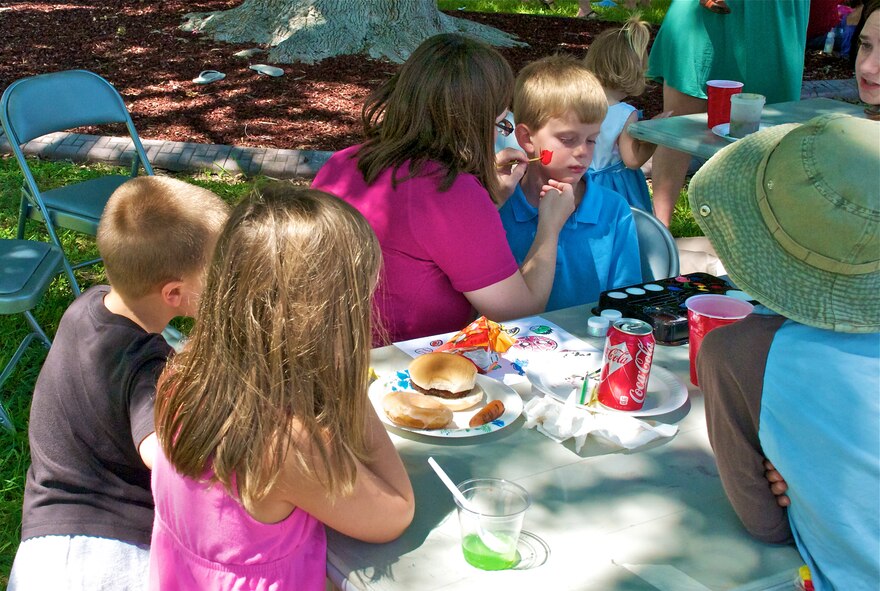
x=440 y=106
x=869 y=7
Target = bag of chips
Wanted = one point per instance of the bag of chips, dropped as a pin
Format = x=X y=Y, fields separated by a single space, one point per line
x=482 y=341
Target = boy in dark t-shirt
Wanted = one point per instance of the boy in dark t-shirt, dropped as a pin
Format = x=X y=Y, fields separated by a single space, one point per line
x=88 y=509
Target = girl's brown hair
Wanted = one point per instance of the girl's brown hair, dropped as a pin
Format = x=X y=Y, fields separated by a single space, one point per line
x=619 y=57
x=281 y=344
x=440 y=106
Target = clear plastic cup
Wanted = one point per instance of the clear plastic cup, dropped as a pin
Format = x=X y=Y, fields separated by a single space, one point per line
x=491 y=525
x=745 y=113
x=706 y=313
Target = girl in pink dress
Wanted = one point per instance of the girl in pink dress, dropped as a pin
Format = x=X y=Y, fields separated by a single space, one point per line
x=266 y=430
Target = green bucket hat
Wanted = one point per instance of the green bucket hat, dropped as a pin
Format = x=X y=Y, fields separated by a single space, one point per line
x=793 y=212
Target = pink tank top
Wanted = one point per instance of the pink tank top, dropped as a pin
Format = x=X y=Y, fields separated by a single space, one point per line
x=204 y=539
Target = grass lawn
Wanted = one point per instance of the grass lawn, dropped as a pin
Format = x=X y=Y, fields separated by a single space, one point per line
x=653 y=14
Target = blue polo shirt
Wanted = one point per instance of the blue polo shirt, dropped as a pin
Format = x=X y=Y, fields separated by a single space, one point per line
x=598 y=246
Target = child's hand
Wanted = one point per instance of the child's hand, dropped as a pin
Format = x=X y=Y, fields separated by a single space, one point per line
x=778 y=486
x=663 y=115
x=510 y=165
x=557 y=203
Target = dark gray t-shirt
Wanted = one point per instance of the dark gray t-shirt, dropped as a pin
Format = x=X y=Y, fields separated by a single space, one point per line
x=92 y=407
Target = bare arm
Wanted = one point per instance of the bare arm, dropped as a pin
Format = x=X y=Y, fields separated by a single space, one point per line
x=633 y=152
x=380 y=507
x=527 y=291
x=147 y=450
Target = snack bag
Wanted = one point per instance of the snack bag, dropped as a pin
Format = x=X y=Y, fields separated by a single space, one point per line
x=482 y=341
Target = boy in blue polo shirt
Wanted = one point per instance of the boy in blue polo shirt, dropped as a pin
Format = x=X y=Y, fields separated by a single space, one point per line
x=559 y=106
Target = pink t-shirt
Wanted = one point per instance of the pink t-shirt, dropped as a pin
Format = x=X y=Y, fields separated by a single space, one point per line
x=204 y=539
x=435 y=244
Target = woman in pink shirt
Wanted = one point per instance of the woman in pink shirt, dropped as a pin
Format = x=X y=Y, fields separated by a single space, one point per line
x=265 y=427
x=427 y=181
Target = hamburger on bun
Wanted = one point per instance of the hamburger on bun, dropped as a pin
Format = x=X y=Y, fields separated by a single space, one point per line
x=449 y=377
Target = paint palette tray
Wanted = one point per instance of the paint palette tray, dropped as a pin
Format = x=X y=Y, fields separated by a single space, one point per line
x=660 y=303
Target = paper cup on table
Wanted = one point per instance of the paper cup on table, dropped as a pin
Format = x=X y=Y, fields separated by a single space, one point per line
x=719 y=93
x=708 y=312
x=745 y=113
x=491 y=524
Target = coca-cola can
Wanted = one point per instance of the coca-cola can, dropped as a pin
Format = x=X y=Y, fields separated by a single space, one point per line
x=626 y=365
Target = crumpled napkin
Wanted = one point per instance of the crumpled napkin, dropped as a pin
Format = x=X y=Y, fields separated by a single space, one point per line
x=560 y=421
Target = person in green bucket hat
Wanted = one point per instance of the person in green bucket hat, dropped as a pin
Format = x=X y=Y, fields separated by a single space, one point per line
x=792 y=392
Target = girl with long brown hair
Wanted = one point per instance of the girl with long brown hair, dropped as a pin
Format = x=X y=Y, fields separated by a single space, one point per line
x=426 y=178
x=265 y=426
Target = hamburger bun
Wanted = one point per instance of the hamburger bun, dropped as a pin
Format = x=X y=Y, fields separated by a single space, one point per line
x=416 y=411
x=448 y=377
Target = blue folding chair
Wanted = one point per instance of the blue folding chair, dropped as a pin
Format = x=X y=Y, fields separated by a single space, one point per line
x=27 y=267
x=657 y=248
x=35 y=106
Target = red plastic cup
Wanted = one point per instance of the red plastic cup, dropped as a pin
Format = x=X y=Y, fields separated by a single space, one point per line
x=706 y=313
x=719 y=92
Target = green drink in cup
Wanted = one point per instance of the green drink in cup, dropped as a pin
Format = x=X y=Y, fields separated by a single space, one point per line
x=491 y=521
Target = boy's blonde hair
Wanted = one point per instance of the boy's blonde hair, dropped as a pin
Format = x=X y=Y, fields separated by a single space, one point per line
x=556 y=85
x=157 y=229
x=440 y=106
x=282 y=343
x=619 y=57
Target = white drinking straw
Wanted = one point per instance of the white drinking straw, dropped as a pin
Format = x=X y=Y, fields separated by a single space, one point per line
x=489 y=539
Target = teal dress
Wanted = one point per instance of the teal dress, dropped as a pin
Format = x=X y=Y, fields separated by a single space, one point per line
x=760 y=43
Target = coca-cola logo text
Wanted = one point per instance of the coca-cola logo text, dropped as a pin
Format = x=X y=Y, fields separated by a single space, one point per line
x=644 y=355
x=619 y=355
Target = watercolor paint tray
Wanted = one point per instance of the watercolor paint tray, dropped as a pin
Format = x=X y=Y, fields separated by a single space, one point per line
x=660 y=303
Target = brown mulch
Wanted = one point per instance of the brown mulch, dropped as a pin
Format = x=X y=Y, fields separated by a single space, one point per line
x=138 y=47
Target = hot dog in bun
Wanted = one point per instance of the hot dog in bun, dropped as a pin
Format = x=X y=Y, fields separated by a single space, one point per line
x=448 y=377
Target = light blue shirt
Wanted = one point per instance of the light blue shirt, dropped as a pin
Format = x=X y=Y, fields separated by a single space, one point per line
x=820 y=426
x=598 y=246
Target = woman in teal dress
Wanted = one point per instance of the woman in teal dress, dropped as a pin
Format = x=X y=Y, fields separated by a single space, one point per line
x=759 y=43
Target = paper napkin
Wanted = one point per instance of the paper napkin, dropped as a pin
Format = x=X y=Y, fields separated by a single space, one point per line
x=560 y=421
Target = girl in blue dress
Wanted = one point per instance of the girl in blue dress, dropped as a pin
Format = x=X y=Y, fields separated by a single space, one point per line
x=618 y=58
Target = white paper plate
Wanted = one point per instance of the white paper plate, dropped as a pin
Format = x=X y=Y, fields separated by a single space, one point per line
x=494 y=390
x=723 y=130
x=558 y=374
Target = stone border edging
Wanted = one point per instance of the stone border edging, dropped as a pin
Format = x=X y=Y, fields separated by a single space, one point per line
x=175 y=156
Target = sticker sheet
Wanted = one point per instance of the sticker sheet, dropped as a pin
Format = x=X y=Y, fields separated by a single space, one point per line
x=531 y=335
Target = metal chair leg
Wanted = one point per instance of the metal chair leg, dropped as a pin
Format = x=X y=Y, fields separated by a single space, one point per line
x=22 y=216
x=36 y=333
x=5 y=421
x=36 y=328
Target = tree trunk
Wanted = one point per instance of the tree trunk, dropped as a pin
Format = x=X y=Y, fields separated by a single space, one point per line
x=311 y=30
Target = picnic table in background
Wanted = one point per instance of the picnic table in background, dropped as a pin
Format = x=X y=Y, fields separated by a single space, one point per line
x=690 y=133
